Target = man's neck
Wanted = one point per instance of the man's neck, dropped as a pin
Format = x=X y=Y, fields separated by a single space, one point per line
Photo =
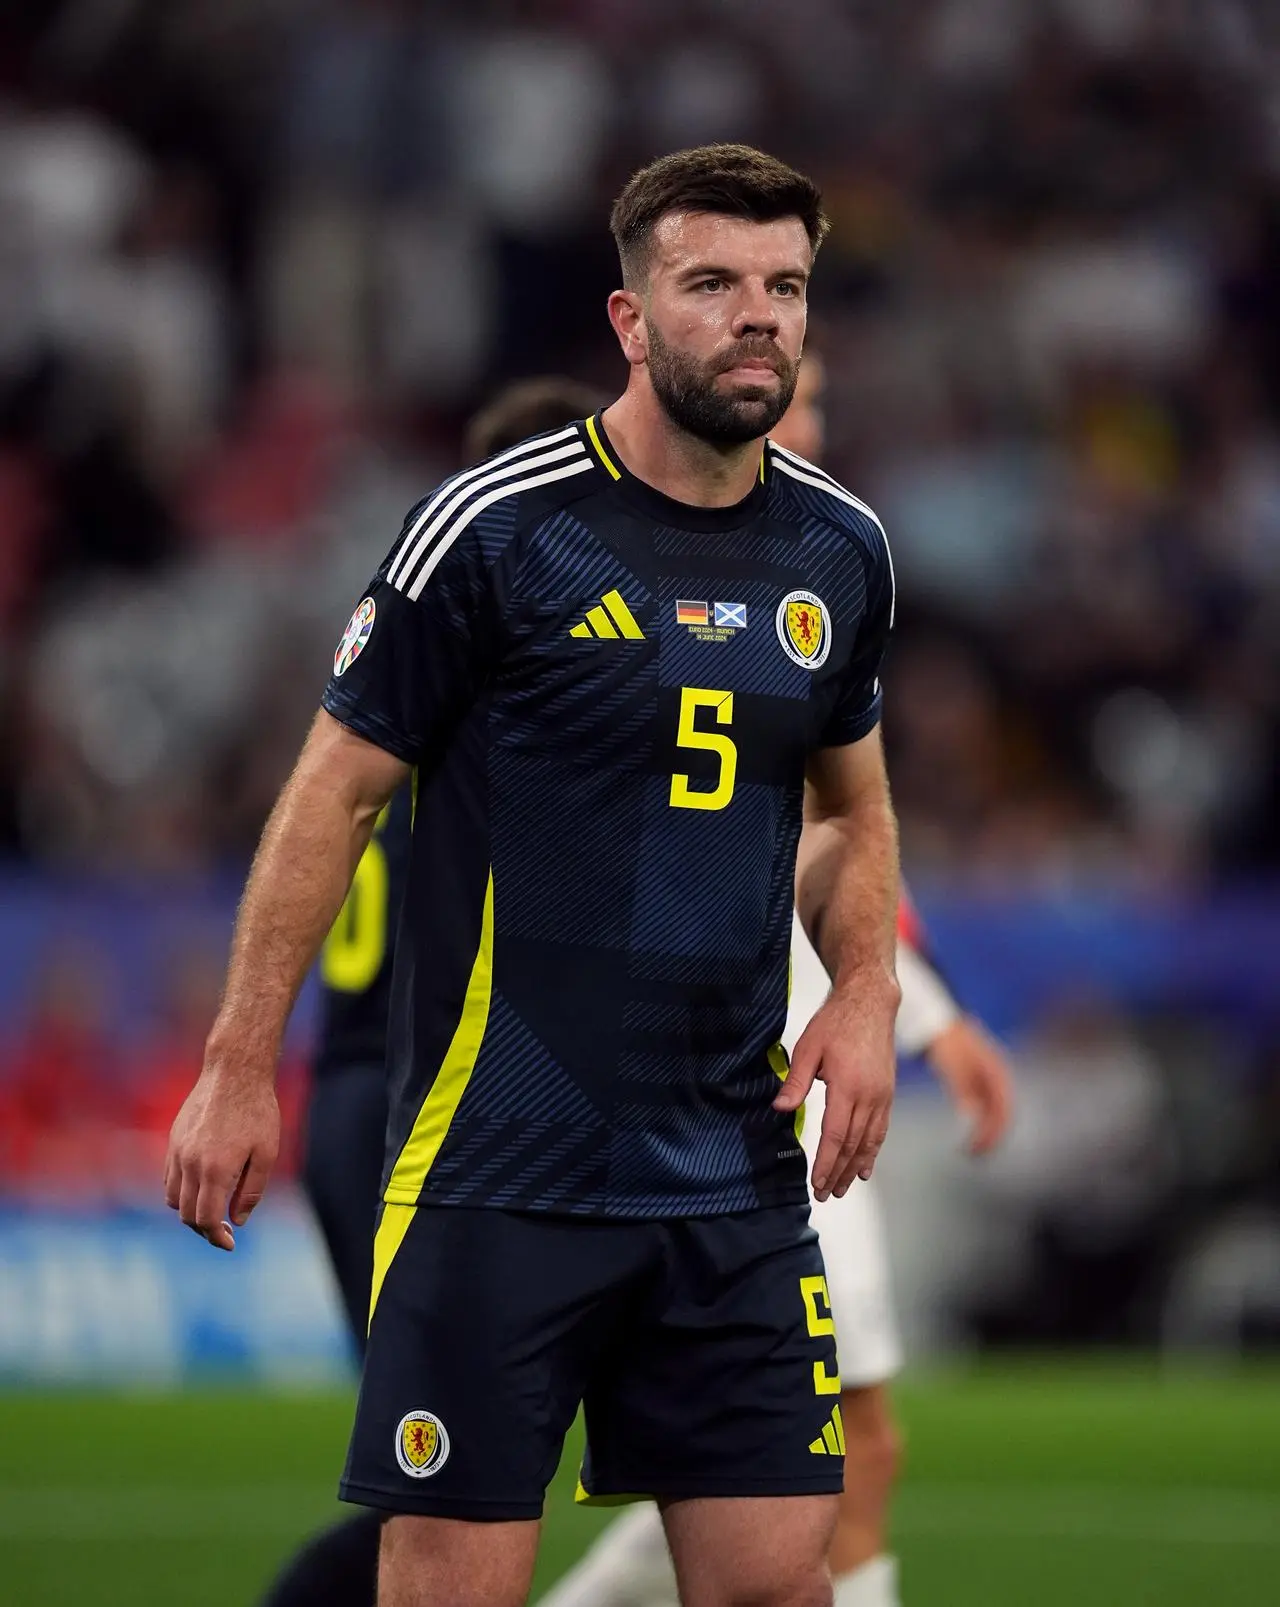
x=674 y=462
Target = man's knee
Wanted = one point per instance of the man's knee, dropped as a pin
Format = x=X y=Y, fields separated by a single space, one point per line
x=811 y=1589
x=446 y=1562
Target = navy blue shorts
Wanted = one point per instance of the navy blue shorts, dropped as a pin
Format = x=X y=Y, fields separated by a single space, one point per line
x=702 y=1350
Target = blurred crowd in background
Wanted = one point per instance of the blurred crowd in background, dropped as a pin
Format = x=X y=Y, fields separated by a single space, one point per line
x=260 y=259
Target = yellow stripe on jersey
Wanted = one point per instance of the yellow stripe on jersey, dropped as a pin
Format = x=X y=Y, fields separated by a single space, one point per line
x=438 y=1109
x=838 y=1421
x=623 y=618
x=580 y=629
x=601 y=623
x=442 y=1101
x=603 y=455
x=777 y=1057
x=386 y=1241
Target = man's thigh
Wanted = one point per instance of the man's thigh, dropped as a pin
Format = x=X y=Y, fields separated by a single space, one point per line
x=760 y=1550
x=485 y=1328
x=445 y=1562
x=727 y=1384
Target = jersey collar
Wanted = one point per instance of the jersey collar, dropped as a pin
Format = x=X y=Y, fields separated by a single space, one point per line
x=667 y=510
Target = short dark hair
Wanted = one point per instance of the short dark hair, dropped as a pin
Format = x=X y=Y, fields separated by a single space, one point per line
x=735 y=180
x=527 y=407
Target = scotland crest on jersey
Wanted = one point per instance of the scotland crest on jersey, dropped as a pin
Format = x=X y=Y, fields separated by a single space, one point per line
x=804 y=629
x=422 y=1446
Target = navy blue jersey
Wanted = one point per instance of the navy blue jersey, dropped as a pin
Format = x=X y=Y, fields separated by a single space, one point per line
x=610 y=698
x=355 y=963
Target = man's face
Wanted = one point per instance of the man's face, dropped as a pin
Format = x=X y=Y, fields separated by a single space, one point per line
x=724 y=321
x=802 y=428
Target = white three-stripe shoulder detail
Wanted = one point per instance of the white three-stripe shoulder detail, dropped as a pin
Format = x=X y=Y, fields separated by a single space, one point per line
x=491 y=495
x=801 y=469
x=789 y=465
x=428 y=526
x=515 y=457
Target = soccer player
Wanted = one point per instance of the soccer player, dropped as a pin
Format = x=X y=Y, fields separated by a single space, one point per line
x=628 y=1565
x=347 y=1112
x=625 y=659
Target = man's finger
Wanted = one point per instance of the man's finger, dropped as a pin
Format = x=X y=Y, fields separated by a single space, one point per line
x=189 y=1193
x=172 y=1181
x=211 y=1208
x=249 y=1190
x=799 y=1079
x=872 y=1143
x=836 y=1119
x=853 y=1151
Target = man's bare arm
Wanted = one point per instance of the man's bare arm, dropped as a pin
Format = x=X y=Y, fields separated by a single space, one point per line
x=847 y=877
x=225 y=1138
x=847 y=895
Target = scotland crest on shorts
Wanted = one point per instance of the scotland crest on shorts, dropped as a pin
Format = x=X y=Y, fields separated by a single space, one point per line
x=358 y=631
x=422 y=1446
x=804 y=629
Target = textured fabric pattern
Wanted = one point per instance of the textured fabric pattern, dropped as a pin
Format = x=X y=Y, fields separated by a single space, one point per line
x=631 y=775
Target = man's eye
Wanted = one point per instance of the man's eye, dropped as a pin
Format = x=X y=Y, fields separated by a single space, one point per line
x=787 y=287
x=711 y=284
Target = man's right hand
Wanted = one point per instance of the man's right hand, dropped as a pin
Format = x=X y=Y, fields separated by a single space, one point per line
x=222 y=1147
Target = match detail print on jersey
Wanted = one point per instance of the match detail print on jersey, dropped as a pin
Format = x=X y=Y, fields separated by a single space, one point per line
x=804 y=629
x=719 y=622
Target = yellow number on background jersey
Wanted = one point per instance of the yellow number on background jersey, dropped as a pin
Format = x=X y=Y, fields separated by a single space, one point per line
x=693 y=698
x=357 y=944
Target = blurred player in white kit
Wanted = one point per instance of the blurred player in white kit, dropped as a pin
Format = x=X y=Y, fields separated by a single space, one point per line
x=628 y=1566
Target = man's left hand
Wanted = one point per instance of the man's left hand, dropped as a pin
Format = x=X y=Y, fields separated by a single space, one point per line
x=849 y=1046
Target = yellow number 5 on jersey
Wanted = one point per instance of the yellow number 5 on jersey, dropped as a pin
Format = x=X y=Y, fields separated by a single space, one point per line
x=693 y=698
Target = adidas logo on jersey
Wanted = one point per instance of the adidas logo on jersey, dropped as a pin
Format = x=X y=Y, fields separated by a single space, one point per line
x=609 y=618
x=831 y=1441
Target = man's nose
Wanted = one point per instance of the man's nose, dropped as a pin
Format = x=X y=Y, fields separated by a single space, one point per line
x=756 y=312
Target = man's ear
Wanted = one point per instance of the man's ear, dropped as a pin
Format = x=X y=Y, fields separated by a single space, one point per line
x=626 y=314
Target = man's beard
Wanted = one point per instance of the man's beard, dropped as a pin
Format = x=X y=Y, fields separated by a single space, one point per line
x=687 y=390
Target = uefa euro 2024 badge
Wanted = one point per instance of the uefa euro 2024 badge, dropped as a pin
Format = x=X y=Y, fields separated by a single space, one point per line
x=804 y=629
x=422 y=1446
x=359 y=630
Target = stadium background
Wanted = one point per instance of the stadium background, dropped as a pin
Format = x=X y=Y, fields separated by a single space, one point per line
x=258 y=261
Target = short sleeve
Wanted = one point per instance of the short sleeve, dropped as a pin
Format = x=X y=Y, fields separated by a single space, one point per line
x=857 y=709
x=418 y=648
